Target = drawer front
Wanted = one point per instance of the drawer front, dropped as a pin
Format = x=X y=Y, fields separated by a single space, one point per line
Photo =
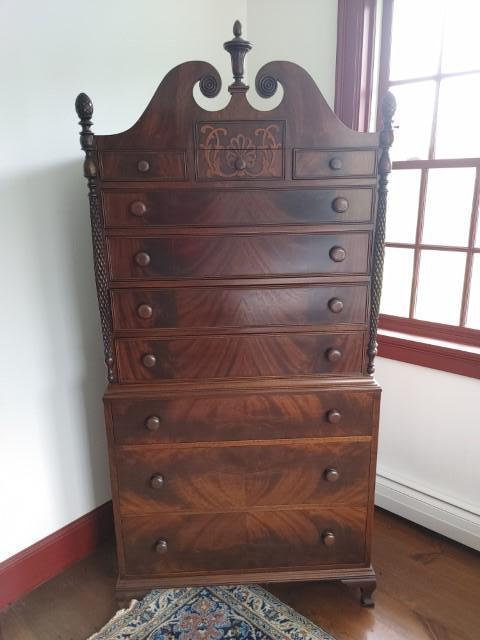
x=143 y=165
x=243 y=416
x=169 y=543
x=213 y=478
x=246 y=356
x=310 y=164
x=235 y=164
x=237 y=207
x=229 y=307
x=238 y=256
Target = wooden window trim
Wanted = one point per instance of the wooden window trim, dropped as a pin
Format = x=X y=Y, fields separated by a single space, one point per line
x=434 y=345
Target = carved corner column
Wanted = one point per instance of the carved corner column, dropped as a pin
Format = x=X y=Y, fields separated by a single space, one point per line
x=84 y=109
x=384 y=167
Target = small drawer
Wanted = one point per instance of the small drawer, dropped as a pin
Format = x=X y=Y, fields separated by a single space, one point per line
x=240 y=164
x=238 y=307
x=217 y=256
x=311 y=164
x=243 y=416
x=228 y=207
x=143 y=165
x=240 y=356
x=217 y=478
x=168 y=543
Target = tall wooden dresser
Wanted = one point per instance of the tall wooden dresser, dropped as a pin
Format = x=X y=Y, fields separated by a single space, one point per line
x=238 y=262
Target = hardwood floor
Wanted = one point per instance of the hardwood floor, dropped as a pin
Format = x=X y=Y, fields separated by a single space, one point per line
x=428 y=588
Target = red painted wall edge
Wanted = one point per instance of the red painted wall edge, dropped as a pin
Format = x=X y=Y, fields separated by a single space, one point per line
x=47 y=558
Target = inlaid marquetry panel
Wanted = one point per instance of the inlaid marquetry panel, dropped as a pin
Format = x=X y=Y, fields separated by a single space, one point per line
x=243 y=540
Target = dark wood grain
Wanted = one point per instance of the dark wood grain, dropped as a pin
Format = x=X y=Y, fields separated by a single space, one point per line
x=230 y=207
x=238 y=255
x=205 y=479
x=244 y=540
x=143 y=165
x=326 y=163
x=242 y=307
x=242 y=416
x=245 y=356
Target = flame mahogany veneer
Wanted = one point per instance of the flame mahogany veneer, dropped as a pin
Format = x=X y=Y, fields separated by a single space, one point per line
x=238 y=261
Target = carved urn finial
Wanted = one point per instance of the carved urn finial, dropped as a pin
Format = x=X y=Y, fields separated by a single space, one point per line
x=237 y=48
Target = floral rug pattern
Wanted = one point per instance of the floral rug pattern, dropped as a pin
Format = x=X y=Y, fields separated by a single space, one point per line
x=210 y=613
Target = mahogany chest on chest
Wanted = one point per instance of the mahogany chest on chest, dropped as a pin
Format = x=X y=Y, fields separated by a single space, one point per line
x=238 y=261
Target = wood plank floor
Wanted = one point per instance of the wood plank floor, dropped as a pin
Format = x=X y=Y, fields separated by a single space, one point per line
x=428 y=589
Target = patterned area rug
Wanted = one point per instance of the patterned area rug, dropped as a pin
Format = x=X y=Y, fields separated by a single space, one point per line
x=210 y=613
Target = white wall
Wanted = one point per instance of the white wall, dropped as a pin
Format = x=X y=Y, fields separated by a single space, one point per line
x=53 y=455
x=429 y=448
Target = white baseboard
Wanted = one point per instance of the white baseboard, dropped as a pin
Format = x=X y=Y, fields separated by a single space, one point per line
x=458 y=522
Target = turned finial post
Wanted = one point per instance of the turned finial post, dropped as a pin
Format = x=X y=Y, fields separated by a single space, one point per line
x=238 y=49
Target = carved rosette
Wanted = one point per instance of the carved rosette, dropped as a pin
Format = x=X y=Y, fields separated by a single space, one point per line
x=384 y=168
x=84 y=109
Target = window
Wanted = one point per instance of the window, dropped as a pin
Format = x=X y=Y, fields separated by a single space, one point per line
x=430 y=60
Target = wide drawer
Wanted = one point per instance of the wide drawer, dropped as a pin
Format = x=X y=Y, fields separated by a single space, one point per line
x=169 y=543
x=238 y=255
x=224 y=207
x=243 y=416
x=240 y=307
x=240 y=356
x=311 y=164
x=213 y=478
x=142 y=165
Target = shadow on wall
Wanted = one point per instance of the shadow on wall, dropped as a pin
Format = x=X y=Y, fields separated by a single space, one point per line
x=66 y=373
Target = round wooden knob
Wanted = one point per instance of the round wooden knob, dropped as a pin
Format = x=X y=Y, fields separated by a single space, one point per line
x=331 y=475
x=328 y=538
x=336 y=164
x=337 y=254
x=152 y=423
x=142 y=258
x=334 y=416
x=340 y=205
x=138 y=208
x=143 y=166
x=149 y=360
x=335 y=305
x=240 y=164
x=144 y=311
x=157 y=481
x=333 y=355
x=161 y=546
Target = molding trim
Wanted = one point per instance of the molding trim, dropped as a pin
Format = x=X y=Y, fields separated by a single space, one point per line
x=355 y=59
x=460 y=522
x=434 y=354
x=45 y=559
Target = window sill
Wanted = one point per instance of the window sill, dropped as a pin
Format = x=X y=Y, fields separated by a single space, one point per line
x=453 y=357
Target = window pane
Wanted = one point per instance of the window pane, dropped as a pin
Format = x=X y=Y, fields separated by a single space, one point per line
x=402 y=205
x=440 y=286
x=473 y=316
x=414 y=119
x=448 y=206
x=460 y=46
x=397 y=281
x=458 y=136
x=416 y=33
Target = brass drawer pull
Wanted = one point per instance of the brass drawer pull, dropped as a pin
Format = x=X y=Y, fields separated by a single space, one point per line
x=331 y=475
x=149 y=360
x=328 y=538
x=142 y=258
x=138 y=208
x=144 y=311
x=157 y=481
x=161 y=546
x=334 y=416
x=335 y=305
x=152 y=423
x=333 y=355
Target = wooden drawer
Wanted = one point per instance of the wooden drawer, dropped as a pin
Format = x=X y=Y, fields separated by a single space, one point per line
x=238 y=307
x=243 y=416
x=225 y=207
x=217 y=478
x=238 y=255
x=243 y=541
x=310 y=164
x=240 y=356
x=142 y=165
